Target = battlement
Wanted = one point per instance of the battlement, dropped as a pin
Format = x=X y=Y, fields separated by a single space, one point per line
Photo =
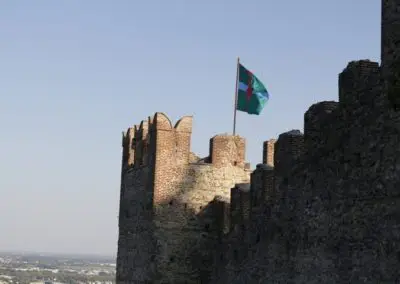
x=323 y=128
x=128 y=145
x=268 y=152
x=233 y=215
x=138 y=149
x=173 y=143
x=227 y=149
x=356 y=84
x=262 y=184
x=319 y=123
x=331 y=162
x=170 y=191
x=288 y=148
x=322 y=208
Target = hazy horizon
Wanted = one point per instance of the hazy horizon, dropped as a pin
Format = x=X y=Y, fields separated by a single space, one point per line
x=75 y=74
x=22 y=252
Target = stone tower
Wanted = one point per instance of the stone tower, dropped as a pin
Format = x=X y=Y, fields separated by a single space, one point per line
x=323 y=208
x=165 y=226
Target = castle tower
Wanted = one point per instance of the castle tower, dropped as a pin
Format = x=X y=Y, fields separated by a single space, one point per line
x=166 y=233
x=390 y=48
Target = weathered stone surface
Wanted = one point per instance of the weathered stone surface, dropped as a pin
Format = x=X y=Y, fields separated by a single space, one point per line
x=268 y=152
x=335 y=214
x=167 y=227
x=323 y=208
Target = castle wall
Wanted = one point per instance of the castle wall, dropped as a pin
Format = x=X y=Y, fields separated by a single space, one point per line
x=166 y=226
x=135 y=241
x=136 y=245
x=333 y=214
x=332 y=218
x=323 y=208
x=184 y=224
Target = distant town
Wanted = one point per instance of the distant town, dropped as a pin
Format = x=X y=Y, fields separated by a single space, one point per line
x=35 y=268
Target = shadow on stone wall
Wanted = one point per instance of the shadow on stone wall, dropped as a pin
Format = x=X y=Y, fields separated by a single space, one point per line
x=336 y=213
x=186 y=250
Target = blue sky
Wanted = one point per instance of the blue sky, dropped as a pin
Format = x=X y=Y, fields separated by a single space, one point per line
x=74 y=74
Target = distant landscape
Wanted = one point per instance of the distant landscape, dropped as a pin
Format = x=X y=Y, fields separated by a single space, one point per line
x=46 y=268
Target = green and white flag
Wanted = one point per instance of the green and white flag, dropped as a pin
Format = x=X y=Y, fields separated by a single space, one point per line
x=251 y=93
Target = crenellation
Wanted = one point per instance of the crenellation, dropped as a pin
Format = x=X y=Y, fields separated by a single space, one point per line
x=161 y=122
x=358 y=84
x=185 y=124
x=142 y=142
x=143 y=129
x=128 y=145
x=183 y=132
x=262 y=184
x=319 y=123
x=227 y=150
x=150 y=120
x=322 y=208
x=268 y=152
x=288 y=148
x=173 y=191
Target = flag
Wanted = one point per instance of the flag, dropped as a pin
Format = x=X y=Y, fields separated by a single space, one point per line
x=251 y=94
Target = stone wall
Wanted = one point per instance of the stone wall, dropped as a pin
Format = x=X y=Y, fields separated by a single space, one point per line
x=332 y=214
x=184 y=223
x=136 y=240
x=390 y=50
x=323 y=208
x=330 y=207
x=166 y=223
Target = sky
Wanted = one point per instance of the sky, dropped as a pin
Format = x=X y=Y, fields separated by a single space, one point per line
x=74 y=74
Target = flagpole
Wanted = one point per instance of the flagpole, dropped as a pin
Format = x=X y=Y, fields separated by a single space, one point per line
x=236 y=97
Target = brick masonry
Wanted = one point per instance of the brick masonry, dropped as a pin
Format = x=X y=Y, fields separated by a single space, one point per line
x=323 y=207
x=268 y=152
x=166 y=221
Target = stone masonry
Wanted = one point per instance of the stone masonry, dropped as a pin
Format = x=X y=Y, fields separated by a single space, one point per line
x=268 y=152
x=165 y=223
x=330 y=203
x=323 y=207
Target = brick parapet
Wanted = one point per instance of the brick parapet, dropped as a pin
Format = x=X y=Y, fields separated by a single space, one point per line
x=322 y=211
